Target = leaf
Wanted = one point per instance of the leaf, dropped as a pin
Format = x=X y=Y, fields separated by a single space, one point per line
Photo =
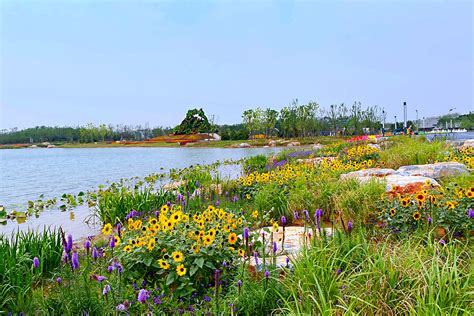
x=148 y=261
x=199 y=262
x=210 y=265
x=170 y=279
x=193 y=270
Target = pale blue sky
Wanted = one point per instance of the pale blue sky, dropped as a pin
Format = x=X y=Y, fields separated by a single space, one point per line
x=73 y=62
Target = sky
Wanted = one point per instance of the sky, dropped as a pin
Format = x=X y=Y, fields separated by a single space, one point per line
x=68 y=63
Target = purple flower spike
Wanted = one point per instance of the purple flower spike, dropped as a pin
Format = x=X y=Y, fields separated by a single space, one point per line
x=119 y=230
x=106 y=289
x=58 y=280
x=349 y=226
x=296 y=215
x=442 y=242
x=246 y=233
x=87 y=245
x=218 y=203
x=95 y=253
x=266 y=274
x=306 y=215
x=274 y=247
x=471 y=213
x=430 y=220
x=75 y=261
x=112 y=242
x=283 y=220
x=69 y=243
x=36 y=262
x=255 y=256
x=142 y=295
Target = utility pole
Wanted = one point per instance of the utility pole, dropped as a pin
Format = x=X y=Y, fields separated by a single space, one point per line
x=383 y=122
x=417 y=123
x=395 y=122
x=405 y=116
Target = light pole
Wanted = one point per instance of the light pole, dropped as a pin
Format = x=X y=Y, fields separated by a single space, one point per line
x=417 y=123
x=405 y=116
x=383 y=122
x=395 y=122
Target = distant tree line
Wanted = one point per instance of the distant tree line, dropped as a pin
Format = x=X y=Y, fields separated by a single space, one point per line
x=310 y=119
x=83 y=134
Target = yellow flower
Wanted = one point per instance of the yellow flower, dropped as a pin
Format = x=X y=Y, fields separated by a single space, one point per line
x=393 y=212
x=255 y=214
x=241 y=252
x=177 y=256
x=181 y=270
x=127 y=248
x=232 y=238
x=416 y=216
x=107 y=229
x=275 y=226
x=164 y=209
x=163 y=264
x=117 y=240
x=151 y=244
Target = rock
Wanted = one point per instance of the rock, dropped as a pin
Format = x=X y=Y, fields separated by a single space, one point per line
x=375 y=146
x=317 y=147
x=51 y=146
x=373 y=172
x=272 y=143
x=436 y=171
x=292 y=144
x=468 y=143
x=407 y=183
x=266 y=146
x=174 y=185
x=244 y=145
x=33 y=146
x=314 y=161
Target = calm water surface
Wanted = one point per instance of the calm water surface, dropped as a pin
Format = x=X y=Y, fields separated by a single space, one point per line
x=27 y=173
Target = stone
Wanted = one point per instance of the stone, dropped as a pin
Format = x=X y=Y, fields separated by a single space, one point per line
x=314 y=161
x=436 y=171
x=407 y=183
x=244 y=145
x=293 y=144
x=317 y=147
x=272 y=143
x=372 y=172
x=468 y=143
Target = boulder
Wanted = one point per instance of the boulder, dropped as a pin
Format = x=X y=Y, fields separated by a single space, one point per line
x=292 y=144
x=317 y=147
x=468 y=143
x=272 y=143
x=436 y=171
x=244 y=145
x=408 y=184
x=367 y=173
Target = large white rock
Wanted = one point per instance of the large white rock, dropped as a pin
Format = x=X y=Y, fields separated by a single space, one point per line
x=404 y=181
x=244 y=145
x=317 y=147
x=372 y=172
x=292 y=144
x=435 y=171
x=468 y=143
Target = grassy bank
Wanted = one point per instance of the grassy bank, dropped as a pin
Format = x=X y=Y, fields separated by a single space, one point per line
x=197 y=249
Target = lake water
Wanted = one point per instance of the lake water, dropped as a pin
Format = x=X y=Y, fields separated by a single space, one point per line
x=27 y=173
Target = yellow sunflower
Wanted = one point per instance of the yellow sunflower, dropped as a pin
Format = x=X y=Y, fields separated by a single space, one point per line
x=181 y=270
x=177 y=256
x=163 y=264
x=416 y=216
x=232 y=238
x=127 y=248
x=393 y=212
x=107 y=229
x=151 y=244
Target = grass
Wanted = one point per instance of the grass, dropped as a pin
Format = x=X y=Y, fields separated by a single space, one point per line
x=17 y=275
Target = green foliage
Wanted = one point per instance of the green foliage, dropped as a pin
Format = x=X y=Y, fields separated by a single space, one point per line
x=411 y=151
x=255 y=163
x=18 y=277
x=274 y=198
x=194 y=122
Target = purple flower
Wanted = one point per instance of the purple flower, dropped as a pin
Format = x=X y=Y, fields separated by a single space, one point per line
x=112 y=242
x=110 y=269
x=471 y=213
x=95 y=253
x=132 y=214
x=69 y=243
x=338 y=271
x=266 y=274
x=318 y=213
x=157 y=300
x=75 y=260
x=58 y=280
x=142 y=295
x=197 y=183
x=287 y=261
x=274 y=247
x=217 y=274
x=235 y=198
x=87 y=245
x=296 y=215
x=430 y=220
x=224 y=264
x=255 y=256
x=119 y=230
x=206 y=298
x=246 y=233
x=120 y=307
x=306 y=215
x=442 y=242
x=283 y=220
x=218 y=202
x=98 y=278
x=239 y=283
x=36 y=262
x=349 y=226
x=106 y=289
